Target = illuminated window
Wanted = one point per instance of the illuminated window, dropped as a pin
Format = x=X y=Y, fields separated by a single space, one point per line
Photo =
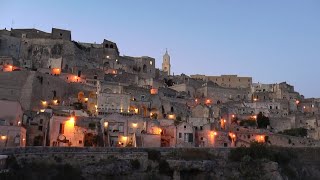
x=151 y=62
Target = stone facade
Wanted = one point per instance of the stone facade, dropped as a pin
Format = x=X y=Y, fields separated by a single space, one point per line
x=228 y=81
x=64 y=133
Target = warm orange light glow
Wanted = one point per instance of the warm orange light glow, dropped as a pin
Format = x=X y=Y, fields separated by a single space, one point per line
x=124 y=138
x=42 y=110
x=304 y=107
x=255 y=99
x=56 y=71
x=196 y=100
x=213 y=133
x=232 y=135
x=19 y=123
x=105 y=124
x=260 y=138
x=154 y=91
x=23 y=139
x=136 y=110
x=254 y=117
x=297 y=101
x=8 y=68
x=224 y=121
x=69 y=125
x=55 y=102
x=208 y=101
x=3 y=137
x=171 y=116
x=233 y=116
x=44 y=103
x=71 y=120
x=134 y=125
x=86 y=99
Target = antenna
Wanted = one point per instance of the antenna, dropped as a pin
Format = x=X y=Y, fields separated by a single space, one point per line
x=12 y=23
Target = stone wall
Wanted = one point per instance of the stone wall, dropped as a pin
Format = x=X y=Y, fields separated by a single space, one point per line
x=30 y=87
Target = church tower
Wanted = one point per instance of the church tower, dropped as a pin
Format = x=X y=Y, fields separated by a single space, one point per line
x=166 y=66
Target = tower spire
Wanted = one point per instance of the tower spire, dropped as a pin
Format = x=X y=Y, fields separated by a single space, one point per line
x=166 y=66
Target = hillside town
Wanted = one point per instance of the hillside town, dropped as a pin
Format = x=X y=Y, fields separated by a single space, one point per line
x=58 y=92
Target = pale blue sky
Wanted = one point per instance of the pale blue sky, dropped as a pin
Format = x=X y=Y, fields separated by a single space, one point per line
x=272 y=41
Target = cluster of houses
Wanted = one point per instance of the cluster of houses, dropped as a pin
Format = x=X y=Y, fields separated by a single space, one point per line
x=95 y=97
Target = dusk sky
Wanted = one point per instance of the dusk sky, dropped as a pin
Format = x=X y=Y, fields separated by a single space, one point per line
x=272 y=41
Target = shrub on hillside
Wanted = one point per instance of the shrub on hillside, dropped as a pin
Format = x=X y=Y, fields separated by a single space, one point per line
x=298 y=132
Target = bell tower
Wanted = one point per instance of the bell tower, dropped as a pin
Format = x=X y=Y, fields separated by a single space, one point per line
x=166 y=66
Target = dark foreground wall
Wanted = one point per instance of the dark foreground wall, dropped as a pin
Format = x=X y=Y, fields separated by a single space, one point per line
x=158 y=163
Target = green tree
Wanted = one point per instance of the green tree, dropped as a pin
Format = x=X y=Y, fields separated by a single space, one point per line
x=299 y=132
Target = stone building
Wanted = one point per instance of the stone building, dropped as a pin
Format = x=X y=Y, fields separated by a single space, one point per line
x=12 y=133
x=185 y=135
x=11 y=113
x=31 y=88
x=227 y=81
x=111 y=98
x=64 y=133
x=37 y=128
x=218 y=94
x=12 y=136
x=188 y=89
x=131 y=131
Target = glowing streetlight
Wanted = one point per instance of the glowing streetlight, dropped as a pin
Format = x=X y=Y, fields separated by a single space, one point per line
x=3 y=137
x=105 y=124
x=44 y=103
x=134 y=125
x=232 y=135
x=213 y=133
x=55 y=102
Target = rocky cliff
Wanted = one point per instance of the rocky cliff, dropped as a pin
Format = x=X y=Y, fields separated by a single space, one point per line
x=257 y=162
